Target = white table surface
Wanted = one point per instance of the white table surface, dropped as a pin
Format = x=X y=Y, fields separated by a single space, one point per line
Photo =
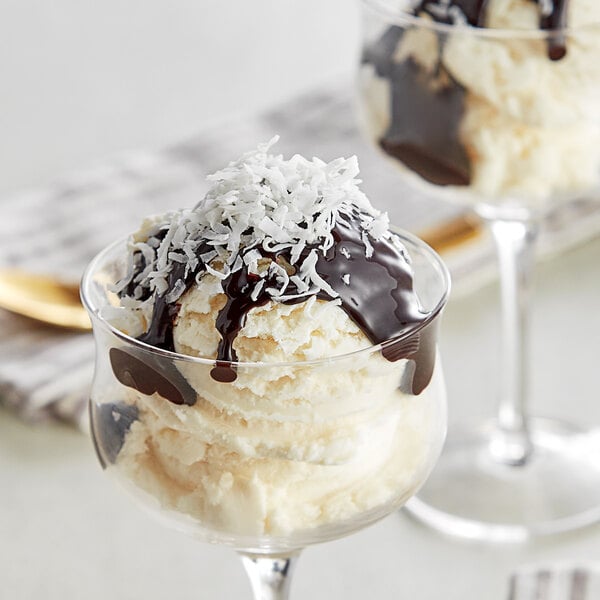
x=67 y=533
x=82 y=80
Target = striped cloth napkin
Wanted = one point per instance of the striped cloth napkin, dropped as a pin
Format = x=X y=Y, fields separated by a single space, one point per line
x=45 y=373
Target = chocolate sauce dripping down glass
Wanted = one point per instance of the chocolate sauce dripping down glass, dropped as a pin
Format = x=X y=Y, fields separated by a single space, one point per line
x=379 y=297
x=232 y=317
x=160 y=331
x=426 y=112
x=140 y=370
x=556 y=21
x=424 y=126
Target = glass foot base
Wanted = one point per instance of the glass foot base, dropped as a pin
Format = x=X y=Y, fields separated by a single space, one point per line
x=469 y=494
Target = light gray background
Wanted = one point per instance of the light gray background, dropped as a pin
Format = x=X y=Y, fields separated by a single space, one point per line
x=83 y=79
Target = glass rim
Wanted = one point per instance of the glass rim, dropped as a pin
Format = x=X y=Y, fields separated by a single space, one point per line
x=401 y=16
x=87 y=281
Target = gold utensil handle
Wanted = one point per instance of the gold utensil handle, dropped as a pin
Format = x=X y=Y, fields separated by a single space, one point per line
x=43 y=299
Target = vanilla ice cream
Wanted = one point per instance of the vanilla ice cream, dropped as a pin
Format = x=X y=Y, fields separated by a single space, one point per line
x=286 y=269
x=505 y=115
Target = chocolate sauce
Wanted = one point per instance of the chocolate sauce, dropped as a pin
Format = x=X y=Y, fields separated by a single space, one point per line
x=556 y=21
x=160 y=331
x=376 y=292
x=142 y=371
x=475 y=11
x=379 y=298
x=149 y=374
x=110 y=424
x=423 y=132
x=232 y=317
x=426 y=112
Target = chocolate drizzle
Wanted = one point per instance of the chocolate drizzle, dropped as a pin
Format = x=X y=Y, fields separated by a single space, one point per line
x=423 y=132
x=556 y=21
x=375 y=289
x=475 y=12
x=232 y=317
x=160 y=332
x=378 y=297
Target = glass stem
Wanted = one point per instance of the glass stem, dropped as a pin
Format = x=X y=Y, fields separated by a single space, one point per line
x=515 y=245
x=270 y=576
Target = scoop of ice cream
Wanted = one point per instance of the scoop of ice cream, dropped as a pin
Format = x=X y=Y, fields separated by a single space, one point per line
x=269 y=232
x=274 y=332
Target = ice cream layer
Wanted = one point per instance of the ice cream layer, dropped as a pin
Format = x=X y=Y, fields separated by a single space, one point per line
x=502 y=115
x=292 y=450
x=284 y=263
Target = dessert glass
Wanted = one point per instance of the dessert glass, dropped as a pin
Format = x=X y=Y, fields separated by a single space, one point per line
x=288 y=454
x=507 y=124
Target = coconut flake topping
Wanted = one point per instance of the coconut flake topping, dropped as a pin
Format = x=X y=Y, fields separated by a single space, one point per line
x=257 y=208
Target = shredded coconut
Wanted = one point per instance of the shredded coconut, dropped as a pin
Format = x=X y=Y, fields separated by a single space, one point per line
x=256 y=206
